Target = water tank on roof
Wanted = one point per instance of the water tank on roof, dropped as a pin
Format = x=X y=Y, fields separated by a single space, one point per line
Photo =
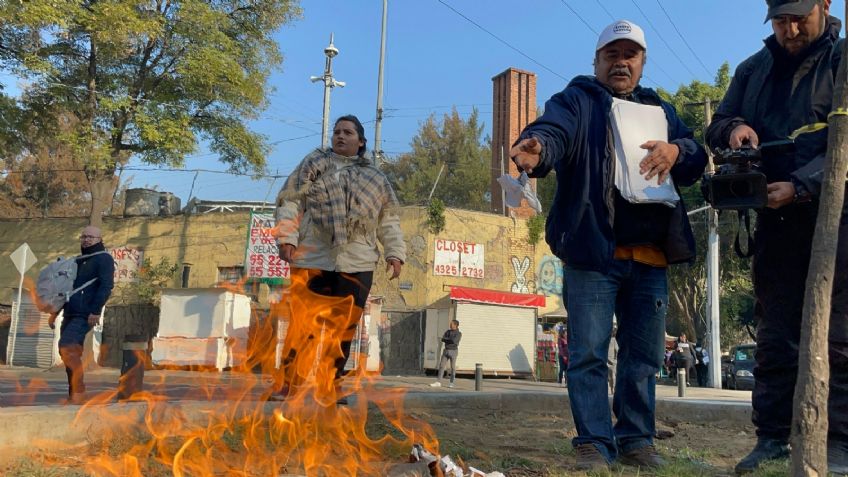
x=169 y=204
x=141 y=203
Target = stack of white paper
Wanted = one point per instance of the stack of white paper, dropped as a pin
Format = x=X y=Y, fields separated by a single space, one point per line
x=634 y=124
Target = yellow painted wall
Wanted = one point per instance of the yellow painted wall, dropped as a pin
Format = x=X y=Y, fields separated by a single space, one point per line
x=511 y=263
x=212 y=240
x=205 y=242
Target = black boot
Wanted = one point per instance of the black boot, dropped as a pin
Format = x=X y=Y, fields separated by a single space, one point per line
x=837 y=458
x=766 y=449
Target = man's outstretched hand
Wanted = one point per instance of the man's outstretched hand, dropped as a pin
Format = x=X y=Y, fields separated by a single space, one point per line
x=526 y=154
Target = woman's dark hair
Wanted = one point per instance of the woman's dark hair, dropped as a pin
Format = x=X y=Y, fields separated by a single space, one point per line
x=359 y=130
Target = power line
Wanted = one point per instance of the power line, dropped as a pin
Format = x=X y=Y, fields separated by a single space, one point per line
x=152 y=169
x=673 y=25
x=474 y=105
x=600 y=4
x=659 y=35
x=579 y=17
x=422 y=115
x=502 y=40
x=293 y=139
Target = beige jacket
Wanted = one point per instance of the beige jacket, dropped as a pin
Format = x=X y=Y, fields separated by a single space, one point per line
x=315 y=248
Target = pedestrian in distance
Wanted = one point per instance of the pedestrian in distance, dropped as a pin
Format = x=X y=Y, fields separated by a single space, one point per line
x=689 y=358
x=702 y=361
x=562 y=356
x=450 y=351
x=82 y=310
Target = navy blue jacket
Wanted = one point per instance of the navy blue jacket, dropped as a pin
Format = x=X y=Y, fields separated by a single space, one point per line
x=577 y=144
x=90 y=300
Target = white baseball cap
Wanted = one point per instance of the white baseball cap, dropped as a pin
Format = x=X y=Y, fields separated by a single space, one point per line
x=622 y=30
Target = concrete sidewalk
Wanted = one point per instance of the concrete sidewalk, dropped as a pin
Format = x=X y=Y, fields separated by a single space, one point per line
x=34 y=387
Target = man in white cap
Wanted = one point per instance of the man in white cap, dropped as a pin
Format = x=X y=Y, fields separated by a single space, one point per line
x=616 y=252
x=779 y=90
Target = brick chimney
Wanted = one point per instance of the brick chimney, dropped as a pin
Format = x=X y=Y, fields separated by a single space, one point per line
x=514 y=101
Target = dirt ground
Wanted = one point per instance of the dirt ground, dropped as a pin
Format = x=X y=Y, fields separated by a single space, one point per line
x=527 y=444
x=539 y=444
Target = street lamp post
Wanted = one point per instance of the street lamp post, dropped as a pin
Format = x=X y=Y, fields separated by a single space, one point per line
x=378 y=126
x=329 y=83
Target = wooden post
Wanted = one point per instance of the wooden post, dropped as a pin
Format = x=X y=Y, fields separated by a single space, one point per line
x=809 y=420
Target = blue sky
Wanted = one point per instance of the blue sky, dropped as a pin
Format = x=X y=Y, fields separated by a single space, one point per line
x=435 y=59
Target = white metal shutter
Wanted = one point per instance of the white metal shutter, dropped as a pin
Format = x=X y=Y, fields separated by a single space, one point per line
x=30 y=339
x=500 y=337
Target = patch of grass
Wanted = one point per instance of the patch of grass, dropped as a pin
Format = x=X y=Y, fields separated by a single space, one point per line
x=514 y=462
x=457 y=450
x=234 y=438
x=614 y=471
x=117 y=445
x=775 y=468
x=677 y=467
x=561 y=447
x=28 y=468
x=157 y=469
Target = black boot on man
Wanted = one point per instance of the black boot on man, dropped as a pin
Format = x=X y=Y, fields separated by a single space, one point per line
x=837 y=458
x=765 y=450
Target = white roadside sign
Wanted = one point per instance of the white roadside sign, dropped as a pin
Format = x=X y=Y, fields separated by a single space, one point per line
x=23 y=258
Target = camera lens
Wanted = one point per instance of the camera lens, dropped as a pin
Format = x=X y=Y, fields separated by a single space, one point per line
x=741 y=188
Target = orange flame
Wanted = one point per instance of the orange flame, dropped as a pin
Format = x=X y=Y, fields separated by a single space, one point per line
x=308 y=434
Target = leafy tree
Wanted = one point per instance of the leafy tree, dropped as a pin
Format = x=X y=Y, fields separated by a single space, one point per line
x=545 y=190
x=687 y=283
x=148 y=282
x=687 y=97
x=42 y=177
x=149 y=79
x=457 y=145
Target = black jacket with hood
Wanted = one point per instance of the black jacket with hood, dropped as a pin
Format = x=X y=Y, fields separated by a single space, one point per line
x=752 y=99
x=90 y=300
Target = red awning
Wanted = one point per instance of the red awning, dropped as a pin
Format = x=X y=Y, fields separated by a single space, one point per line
x=479 y=295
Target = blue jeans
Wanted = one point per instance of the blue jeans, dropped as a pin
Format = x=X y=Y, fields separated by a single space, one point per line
x=638 y=295
x=71 y=339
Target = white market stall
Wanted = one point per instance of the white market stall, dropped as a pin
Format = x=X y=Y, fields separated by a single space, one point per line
x=202 y=327
x=498 y=330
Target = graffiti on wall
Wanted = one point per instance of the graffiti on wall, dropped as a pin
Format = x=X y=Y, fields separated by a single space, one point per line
x=127 y=263
x=520 y=267
x=549 y=276
x=494 y=272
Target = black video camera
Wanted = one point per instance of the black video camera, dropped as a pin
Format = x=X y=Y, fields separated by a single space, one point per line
x=739 y=183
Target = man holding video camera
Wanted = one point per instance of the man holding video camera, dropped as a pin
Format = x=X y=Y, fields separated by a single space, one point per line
x=784 y=91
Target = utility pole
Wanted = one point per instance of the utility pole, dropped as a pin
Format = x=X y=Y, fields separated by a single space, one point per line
x=438 y=176
x=378 y=126
x=713 y=334
x=713 y=287
x=329 y=83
